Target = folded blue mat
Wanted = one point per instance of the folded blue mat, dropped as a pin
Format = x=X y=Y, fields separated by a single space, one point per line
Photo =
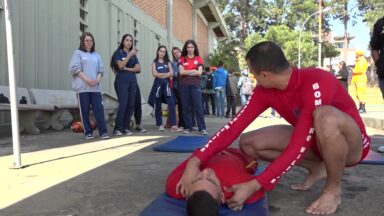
x=183 y=144
x=167 y=206
x=373 y=158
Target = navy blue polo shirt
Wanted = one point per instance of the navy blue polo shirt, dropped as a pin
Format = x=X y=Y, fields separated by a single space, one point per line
x=124 y=74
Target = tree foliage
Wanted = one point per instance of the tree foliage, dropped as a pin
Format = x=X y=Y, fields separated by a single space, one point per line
x=226 y=52
x=252 y=21
x=372 y=10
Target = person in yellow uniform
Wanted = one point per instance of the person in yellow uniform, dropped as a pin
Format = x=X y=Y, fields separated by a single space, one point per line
x=359 y=79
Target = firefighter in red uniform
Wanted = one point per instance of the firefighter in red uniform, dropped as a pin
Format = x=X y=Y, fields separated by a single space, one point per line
x=325 y=136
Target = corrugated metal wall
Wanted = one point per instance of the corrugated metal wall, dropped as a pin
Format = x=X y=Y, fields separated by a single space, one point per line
x=46 y=32
x=3 y=46
x=43 y=42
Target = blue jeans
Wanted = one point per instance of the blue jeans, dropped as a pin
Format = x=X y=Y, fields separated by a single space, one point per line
x=171 y=110
x=137 y=110
x=94 y=100
x=381 y=85
x=206 y=99
x=126 y=95
x=244 y=99
x=220 y=100
x=190 y=95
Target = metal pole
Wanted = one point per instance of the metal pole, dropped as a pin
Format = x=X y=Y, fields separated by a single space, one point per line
x=301 y=29
x=169 y=23
x=12 y=89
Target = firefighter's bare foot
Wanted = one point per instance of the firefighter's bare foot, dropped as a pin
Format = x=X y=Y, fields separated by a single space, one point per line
x=326 y=204
x=316 y=173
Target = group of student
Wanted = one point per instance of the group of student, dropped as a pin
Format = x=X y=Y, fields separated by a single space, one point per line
x=174 y=82
x=178 y=82
x=87 y=69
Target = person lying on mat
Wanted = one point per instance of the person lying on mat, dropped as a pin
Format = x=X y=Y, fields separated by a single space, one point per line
x=207 y=189
x=310 y=100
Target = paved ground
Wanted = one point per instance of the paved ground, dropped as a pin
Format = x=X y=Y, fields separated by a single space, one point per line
x=65 y=175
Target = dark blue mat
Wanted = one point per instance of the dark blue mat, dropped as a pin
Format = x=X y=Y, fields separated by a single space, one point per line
x=167 y=206
x=183 y=144
x=373 y=158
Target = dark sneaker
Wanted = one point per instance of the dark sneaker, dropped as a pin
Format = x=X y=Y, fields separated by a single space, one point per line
x=140 y=129
x=89 y=136
x=117 y=133
x=104 y=136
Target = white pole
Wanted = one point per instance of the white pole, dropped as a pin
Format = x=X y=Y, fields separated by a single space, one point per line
x=12 y=89
x=301 y=29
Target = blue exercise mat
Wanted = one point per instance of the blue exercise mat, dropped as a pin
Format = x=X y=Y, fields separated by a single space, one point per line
x=183 y=144
x=167 y=206
x=373 y=158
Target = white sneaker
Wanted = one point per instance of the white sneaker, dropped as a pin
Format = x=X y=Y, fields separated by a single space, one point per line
x=204 y=132
x=180 y=129
x=194 y=129
x=381 y=149
x=161 y=128
x=127 y=132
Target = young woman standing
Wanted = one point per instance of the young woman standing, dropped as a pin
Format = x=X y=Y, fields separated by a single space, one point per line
x=125 y=64
x=86 y=69
x=191 y=67
x=162 y=88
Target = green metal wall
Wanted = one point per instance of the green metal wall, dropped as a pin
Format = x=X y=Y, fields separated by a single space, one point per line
x=46 y=32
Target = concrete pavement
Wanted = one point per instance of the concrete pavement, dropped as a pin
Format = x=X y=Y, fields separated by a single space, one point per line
x=65 y=175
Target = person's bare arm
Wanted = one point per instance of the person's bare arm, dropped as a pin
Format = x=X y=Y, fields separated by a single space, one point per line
x=375 y=55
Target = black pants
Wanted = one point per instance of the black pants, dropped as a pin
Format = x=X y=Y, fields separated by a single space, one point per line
x=231 y=105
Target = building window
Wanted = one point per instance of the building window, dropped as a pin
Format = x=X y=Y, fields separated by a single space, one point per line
x=136 y=33
x=83 y=16
x=339 y=45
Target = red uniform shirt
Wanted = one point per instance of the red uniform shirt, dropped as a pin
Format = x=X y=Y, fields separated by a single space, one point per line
x=307 y=89
x=230 y=169
x=190 y=64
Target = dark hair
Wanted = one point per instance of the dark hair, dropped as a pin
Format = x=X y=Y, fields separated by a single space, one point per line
x=221 y=63
x=166 y=57
x=82 y=45
x=207 y=69
x=267 y=56
x=185 y=52
x=201 y=203
x=175 y=48
x=343 y=65
x=113 y=63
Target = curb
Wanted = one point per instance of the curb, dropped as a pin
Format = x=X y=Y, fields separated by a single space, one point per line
x=373 y=122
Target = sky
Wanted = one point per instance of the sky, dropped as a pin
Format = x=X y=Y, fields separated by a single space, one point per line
x=361 y=32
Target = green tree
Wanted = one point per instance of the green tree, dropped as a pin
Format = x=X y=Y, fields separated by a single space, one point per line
x=228 y=53
x=293 y=14
x=372 y=10
x=244 y=17
x=329 y=51
x=287 y=39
